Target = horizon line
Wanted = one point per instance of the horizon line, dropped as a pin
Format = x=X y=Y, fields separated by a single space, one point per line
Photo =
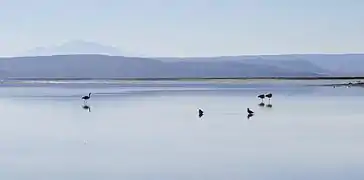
x=217 y=56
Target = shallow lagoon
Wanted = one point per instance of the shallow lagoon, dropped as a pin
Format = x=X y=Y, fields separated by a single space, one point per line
x=152 y=131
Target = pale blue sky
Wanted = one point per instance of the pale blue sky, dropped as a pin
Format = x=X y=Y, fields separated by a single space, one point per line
x=186 y=27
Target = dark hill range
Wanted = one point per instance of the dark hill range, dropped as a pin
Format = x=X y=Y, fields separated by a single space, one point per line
x=103 y=66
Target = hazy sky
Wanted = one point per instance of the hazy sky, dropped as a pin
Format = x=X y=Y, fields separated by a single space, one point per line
x=186 y=27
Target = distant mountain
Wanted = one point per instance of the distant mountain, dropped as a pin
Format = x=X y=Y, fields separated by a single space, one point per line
x=330 y=64
x=292 y=63
x=103 y=66
x=77 y=47
x=345 y=64
x=318 y=64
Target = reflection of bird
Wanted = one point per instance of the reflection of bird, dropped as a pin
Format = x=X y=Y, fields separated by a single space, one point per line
x=261 y=104
x=85 y=98
x=250 y=115
x=249 y=111
x=269 y=96
x=200 y=113
x=269 y=105
x=87 y=108
x=262 y=96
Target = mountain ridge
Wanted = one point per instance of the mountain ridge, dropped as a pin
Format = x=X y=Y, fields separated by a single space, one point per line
x=75 y=59
x=76 y=47
x=104 y=66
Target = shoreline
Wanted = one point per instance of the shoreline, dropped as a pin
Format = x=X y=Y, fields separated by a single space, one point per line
x=346 y=81
x=184 y=79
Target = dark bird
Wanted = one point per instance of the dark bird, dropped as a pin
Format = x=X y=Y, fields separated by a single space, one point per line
x=85 y=98
x=249 y=111
x=262 y=96
x=269 y=96
x=200 y=113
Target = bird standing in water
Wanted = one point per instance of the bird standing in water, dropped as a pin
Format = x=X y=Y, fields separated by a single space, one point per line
x=270 y=95
x=200 y=113
x=249 y=111
x=262 y=96
x=85 y=98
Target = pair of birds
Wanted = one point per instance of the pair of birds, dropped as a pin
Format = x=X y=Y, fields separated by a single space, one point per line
x=262 y=96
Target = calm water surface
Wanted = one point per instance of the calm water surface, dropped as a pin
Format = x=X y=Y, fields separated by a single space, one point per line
x=153 y=132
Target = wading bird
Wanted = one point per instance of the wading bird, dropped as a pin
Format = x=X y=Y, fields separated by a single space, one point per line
x=85 y=98
x=200 y=113
x=249 y=111
x=262 y=96
x=270 y=95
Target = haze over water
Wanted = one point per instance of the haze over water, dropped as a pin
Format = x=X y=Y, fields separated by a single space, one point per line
x=151 y=130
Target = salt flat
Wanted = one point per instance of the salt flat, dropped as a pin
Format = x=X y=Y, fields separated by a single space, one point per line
x=152 y=131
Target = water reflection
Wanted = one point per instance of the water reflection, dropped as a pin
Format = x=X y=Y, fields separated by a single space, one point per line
x=106 y=145
x=249 y=116
x=86 y=107
x=269 y=105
